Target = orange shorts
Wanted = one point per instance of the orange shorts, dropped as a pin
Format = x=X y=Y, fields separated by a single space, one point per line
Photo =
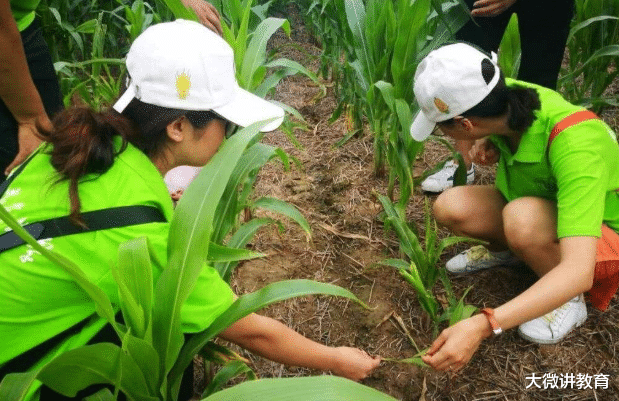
x=606 y=277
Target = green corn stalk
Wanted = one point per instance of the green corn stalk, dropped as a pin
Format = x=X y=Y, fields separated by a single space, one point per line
x=385 y=55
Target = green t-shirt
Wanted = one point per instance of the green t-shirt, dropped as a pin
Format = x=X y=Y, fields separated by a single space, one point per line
x=38 y=299
x=580 y=172
x=23 y=12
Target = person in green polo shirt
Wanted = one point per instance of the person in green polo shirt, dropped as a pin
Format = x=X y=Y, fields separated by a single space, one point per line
x=555 y=205
x=181 y=94
x=29 y=90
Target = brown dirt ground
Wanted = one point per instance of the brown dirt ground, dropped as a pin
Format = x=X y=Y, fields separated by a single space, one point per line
x=334 y=188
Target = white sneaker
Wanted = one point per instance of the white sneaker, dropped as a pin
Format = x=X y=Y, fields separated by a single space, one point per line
x=444 y=178
x=554 y=326
x=479 y=258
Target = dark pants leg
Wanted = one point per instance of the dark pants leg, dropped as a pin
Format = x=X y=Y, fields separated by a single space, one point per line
x=485 y=32
x=543 y=26
x=46 y=82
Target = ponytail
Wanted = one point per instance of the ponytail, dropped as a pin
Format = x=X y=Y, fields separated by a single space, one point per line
x=82 y=142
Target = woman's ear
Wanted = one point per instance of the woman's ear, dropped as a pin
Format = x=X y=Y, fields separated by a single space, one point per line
x=464 y=123
x=177 y=129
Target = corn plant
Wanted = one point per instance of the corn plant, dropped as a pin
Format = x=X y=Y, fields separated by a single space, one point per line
x=389 y=40
x=95 y=80
x=420 y=266
x=594 y=54
x=153 y=355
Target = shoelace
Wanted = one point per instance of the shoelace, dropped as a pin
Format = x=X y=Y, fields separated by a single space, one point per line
x=447 y=170
x=478 y=252
x=552 y=316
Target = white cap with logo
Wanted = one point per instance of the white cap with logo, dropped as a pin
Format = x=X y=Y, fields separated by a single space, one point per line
x=448 y=82
x=184 y=65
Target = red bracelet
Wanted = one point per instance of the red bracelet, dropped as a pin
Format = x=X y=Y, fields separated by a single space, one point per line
x=489 y=312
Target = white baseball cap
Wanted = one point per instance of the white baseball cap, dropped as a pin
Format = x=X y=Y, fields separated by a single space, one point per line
x=448 y=82
x=184 y=65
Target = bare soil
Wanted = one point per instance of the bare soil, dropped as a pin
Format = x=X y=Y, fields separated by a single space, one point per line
x=335 y=189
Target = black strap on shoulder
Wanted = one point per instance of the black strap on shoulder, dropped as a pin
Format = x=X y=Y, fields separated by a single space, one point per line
x=5 y=184
x=95 y=220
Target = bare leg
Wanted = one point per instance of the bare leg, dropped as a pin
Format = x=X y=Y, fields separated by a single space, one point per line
x=531 y=231
x=474 y=211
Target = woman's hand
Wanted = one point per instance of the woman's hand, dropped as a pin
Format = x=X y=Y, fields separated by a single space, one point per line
x=456 y=345
x=278 y=342
x=354 y=364
x=484 y=152
x=490 y=8
x=207 y=14
x=28 y=139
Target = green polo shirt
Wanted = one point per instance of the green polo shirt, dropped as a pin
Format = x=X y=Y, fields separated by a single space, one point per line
x=24 y=12
x=580 y=172
x=38 y=300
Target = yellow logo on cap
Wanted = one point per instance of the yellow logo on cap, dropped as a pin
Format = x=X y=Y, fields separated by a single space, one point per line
x=441 y=106
x=183 y=84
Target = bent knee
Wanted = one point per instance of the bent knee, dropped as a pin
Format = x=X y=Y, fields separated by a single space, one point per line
x=529 y=222
x=452 y=207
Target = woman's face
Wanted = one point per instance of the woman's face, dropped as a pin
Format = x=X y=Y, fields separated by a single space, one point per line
x=203 y=143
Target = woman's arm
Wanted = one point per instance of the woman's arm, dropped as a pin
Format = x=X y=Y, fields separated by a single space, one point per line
x=273 y=340
x=573 y=276
x=17 y=89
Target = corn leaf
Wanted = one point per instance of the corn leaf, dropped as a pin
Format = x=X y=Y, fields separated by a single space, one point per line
x=146 y=358
x=606 y=51
x=134 y=277
x=220 y=253
x=355 y=14
x=584 y=24
x=77 y=369
x=15 y=386
x=255 y=56
x=317 y=388
x=285 y=209
x=225 y=374
x=509 y=50
x=180 y=11
x=239 y=239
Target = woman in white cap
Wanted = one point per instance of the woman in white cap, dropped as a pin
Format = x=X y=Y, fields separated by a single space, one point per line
x=181 y=94
x=554 y=206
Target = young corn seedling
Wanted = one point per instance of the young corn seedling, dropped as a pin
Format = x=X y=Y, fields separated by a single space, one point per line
x=420 y=267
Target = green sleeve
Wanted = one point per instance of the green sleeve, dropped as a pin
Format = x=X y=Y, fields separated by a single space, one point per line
x=579 y=162
x=210 y=298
